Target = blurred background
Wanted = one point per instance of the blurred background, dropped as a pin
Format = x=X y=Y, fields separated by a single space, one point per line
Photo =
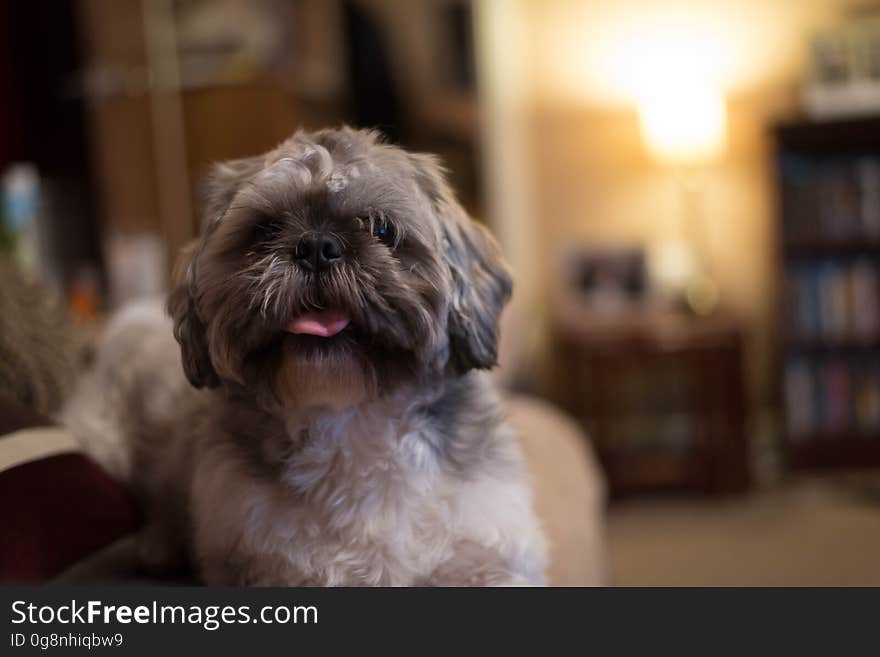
x=688 y=192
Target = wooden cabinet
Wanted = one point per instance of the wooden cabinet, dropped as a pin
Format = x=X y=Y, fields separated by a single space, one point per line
x=661 y=395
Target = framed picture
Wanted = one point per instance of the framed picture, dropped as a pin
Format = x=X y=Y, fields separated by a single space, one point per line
x=608 y=277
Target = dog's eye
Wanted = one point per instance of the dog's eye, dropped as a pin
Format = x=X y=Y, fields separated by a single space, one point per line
x=383 y=230
x=266 y=229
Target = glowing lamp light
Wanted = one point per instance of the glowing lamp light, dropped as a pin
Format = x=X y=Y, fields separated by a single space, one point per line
x=673 y=70
x=683 y=124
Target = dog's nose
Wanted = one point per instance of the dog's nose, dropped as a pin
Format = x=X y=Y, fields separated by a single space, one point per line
x=316 y=251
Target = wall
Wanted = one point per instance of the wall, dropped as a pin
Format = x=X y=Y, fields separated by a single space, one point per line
x=591 y=181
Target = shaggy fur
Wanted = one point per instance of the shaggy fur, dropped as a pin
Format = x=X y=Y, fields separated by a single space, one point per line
x=41 y=349
x=377 y=456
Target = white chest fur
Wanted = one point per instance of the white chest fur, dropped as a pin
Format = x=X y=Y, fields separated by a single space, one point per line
x=366 y=501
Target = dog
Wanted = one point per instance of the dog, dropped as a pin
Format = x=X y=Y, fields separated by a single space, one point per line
x=328 y=419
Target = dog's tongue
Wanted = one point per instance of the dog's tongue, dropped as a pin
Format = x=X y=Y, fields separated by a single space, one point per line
x=325 y=324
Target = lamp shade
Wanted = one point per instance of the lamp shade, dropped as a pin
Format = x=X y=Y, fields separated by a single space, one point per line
x=683 y=124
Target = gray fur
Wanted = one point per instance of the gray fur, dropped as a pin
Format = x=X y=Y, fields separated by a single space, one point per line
x=378 y=456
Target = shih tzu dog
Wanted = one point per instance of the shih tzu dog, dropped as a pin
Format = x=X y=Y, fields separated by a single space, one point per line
x=335 y=321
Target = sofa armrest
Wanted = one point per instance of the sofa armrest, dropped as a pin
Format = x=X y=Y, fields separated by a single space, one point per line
x=569 y=489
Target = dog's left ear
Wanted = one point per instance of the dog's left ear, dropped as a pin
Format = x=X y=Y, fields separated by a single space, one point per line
x=481 y=282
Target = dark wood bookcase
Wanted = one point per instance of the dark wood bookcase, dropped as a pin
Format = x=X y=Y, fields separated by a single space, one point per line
x=660 y=393
x=828 y=184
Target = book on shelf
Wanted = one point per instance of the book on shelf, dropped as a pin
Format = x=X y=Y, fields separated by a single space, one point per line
x=832 y=397
x=834 y=302
x=869 y=184
x=831 y=200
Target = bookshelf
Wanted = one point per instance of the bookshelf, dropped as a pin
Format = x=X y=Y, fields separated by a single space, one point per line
x=828 y=177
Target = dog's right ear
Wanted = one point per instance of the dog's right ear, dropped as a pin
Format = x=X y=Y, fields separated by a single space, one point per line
x=218 y=191
x=223 y=182
x=189 y=329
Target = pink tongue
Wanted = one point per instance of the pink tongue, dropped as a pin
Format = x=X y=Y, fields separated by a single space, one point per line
x=325 y=324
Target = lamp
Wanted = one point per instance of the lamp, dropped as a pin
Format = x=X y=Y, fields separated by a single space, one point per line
x=683 y=124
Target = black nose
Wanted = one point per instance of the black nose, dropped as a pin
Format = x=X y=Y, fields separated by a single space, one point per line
x=316 y=251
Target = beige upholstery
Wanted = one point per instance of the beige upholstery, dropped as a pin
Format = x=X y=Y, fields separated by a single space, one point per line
x=569 y=492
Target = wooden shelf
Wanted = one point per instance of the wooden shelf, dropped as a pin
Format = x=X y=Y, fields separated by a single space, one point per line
x=608 y=369
x=839 y=136
x=834 y=451
x=823 y=346
x=637 y=473
x=831 y=249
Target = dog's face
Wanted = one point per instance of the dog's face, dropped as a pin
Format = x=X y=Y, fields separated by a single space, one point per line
x=333 y=270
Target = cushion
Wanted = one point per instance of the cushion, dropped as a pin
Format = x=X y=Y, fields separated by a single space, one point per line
x=57 y=506
x=569 y=491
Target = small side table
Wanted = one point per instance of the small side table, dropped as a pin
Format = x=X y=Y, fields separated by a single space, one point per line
x=661 y=394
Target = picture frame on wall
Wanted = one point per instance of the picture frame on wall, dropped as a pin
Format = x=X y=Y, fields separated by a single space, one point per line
x=844 y=70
